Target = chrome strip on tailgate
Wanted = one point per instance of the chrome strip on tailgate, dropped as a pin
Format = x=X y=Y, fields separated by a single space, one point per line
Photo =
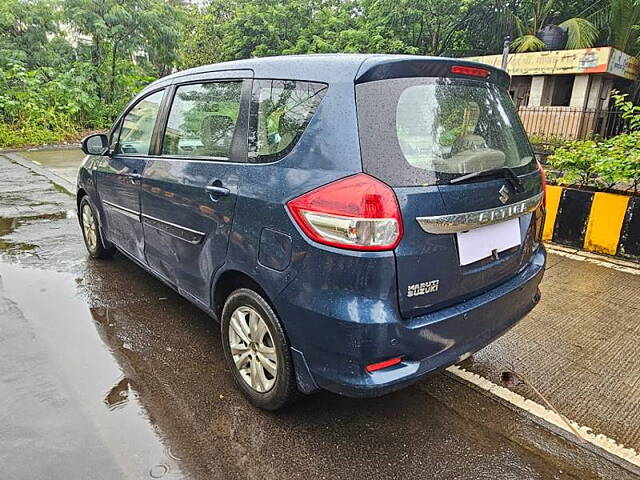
x=461 y=222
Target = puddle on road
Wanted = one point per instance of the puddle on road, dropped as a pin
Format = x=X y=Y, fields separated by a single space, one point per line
x=54 y=158
x=33 y=216
x=140 y=389
x=55 y=366
x=8 y=225
x=64 y=162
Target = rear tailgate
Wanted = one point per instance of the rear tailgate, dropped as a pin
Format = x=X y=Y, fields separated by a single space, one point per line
x=418 y=134
x=429 y=270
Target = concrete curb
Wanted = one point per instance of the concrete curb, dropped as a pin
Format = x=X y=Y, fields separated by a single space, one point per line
x=487 y=410
x=37 y=148
x=63 y=183
x=600 y=222
x=626 y=266
x=625 y=458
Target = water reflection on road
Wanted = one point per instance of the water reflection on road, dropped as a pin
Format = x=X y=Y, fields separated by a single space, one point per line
x=62 y=161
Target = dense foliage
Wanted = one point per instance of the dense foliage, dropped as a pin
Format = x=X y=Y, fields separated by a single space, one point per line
x=603 y=164
x=70 y=65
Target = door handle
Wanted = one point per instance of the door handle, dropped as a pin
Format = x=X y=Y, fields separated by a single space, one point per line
x=216 y=190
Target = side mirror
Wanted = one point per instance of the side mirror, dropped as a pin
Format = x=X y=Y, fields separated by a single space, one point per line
x=97 y=144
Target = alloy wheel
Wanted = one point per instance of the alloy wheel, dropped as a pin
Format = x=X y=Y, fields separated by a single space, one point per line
x=252 y=348
x=89 y=228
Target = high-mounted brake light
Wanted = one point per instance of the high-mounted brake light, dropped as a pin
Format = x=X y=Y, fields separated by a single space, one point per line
x=380 y=365
x=544 y=183
x=357 y=213
x=470 y=71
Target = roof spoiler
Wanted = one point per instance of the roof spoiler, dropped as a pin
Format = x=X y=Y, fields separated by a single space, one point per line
x=373 y=69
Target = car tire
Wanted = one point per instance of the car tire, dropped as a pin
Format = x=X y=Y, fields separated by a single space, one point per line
x=91 y=232
x=258 y=345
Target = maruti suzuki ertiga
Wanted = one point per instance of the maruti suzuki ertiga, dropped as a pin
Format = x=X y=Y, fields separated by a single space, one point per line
x=353 y=221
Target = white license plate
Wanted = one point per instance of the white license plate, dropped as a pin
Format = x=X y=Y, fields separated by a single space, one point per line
x=481 y=242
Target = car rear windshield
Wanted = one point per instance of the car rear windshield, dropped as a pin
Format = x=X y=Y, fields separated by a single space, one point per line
x=426 y=131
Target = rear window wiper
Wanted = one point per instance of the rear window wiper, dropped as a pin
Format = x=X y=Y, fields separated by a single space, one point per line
x=505 y=172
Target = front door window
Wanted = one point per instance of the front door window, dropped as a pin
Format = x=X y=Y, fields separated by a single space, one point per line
x=138 y=124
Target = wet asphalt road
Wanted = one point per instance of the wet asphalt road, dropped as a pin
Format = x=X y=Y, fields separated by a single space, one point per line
x=107 y=373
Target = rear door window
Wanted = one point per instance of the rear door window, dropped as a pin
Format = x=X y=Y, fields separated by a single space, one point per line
x=280 y=111
x=424 y=131
x=202 y=120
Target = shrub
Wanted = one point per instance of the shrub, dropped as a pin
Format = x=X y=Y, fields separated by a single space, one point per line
x=602 y=164
x=630 y=112
x=48 y=106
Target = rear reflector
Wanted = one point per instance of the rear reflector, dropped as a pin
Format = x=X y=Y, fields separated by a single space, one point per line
x=470 y=71
x=387 y=363
x=356 y=212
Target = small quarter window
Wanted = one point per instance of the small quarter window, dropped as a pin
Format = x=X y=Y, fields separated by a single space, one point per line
x=137 y=127
x=202 y=120
x=280 y=111
x=115 y=133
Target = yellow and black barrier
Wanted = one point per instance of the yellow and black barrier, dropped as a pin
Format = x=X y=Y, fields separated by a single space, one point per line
x=595 y=221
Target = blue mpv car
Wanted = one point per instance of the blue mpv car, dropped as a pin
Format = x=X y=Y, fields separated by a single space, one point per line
x=353 y=221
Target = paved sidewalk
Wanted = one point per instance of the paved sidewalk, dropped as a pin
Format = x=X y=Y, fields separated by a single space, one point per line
x=580 y=347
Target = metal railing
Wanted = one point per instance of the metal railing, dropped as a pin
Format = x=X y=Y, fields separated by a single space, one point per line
x=548 y=124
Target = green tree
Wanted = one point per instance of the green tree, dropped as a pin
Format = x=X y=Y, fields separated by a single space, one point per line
x=30 y=34
x=619 y=21
x=424 y=27
x=242 y=28
x=121 y=30
x=539 y=13
x=66 y=65
x=203 y=44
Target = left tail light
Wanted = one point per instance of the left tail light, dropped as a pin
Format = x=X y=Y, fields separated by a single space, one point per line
x=356 y=213
x=544 y=183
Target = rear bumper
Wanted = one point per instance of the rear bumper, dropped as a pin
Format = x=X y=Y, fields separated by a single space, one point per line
x=336 y=345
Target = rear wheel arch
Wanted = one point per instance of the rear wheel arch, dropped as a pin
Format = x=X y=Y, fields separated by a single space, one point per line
x=249 y=353
x=232 y=280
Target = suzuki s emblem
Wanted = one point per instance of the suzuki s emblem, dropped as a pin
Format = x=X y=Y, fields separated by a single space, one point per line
x=504 y=194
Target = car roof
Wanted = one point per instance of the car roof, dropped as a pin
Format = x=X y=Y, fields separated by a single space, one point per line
x=337 y=67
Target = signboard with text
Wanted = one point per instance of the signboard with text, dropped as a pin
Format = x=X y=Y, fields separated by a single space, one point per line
x=557 y=62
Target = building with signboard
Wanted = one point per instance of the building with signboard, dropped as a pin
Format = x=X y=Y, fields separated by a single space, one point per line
x=565 y=93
